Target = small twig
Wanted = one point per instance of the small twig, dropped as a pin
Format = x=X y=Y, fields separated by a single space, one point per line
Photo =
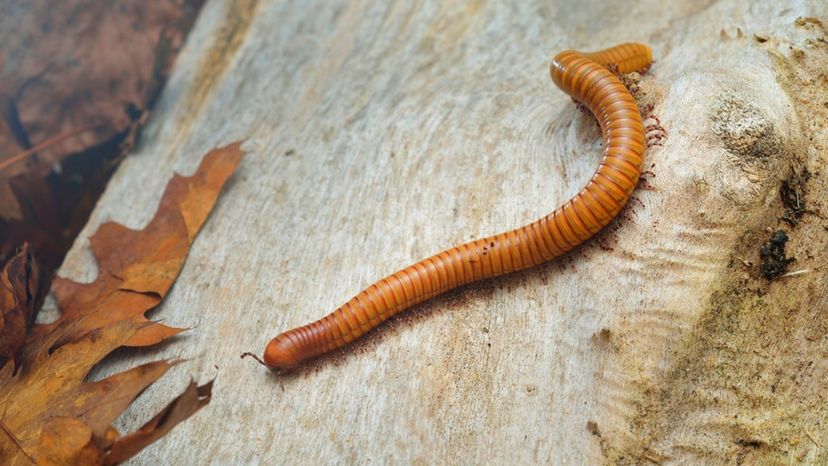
x=807 y=434
x=652 y=459
x=795 y=272
x=49 y=142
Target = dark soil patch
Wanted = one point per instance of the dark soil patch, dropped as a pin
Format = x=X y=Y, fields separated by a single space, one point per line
x=774 y=261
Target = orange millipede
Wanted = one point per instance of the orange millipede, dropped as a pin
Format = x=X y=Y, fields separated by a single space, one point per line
x=587 y=78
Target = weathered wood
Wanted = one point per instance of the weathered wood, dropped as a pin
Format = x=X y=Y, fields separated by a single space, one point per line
x=382 y=132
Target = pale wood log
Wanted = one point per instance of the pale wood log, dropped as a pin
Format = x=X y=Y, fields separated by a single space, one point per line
x=382 y=132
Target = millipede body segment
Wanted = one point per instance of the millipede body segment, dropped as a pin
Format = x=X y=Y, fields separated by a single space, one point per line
x=587 y=79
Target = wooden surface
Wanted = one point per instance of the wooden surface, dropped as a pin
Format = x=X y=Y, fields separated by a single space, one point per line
x=382 y=132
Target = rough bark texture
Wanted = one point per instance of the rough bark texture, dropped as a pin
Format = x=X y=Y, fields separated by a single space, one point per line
x=382 y=132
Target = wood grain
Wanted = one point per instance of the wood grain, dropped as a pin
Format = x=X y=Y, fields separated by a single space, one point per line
x=380 y=132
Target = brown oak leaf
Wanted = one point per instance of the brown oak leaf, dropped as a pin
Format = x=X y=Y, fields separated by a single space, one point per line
x=49 y=412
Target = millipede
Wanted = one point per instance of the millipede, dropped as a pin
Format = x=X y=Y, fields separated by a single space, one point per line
x=590 y=80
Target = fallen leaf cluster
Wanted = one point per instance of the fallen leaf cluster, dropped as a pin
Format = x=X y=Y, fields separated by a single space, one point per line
x=49 y=412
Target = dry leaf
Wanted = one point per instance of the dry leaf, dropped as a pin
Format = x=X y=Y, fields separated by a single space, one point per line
x=193 y=398
x=48 y=412
x=21 y=294
x=138 y=267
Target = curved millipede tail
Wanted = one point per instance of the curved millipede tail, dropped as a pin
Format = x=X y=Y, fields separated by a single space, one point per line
x=587 y=78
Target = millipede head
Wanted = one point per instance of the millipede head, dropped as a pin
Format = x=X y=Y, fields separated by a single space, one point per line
x=279 y=356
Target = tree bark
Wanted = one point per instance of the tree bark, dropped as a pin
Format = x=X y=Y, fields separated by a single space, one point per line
x=382 y=132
